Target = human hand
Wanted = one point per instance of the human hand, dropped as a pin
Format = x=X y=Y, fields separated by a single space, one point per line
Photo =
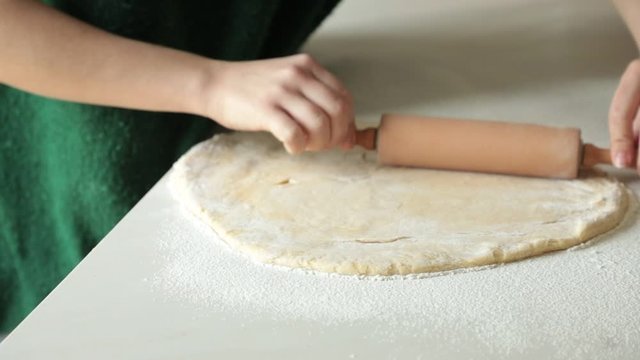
x=302 y=104
x=624 y=119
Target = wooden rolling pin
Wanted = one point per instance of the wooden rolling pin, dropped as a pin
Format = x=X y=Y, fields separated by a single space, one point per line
x=482 y=146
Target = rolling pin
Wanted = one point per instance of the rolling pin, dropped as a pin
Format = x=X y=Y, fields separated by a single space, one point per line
x=481 y=146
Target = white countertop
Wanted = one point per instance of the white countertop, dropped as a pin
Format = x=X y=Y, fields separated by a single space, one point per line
x=163 y=286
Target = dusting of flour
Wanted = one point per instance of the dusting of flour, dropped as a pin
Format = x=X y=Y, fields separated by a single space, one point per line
x=563 y=305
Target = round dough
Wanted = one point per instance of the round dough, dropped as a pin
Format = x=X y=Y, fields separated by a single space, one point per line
x=340 y=212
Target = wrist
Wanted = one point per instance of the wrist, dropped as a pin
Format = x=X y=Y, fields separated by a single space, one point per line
x=208 y=84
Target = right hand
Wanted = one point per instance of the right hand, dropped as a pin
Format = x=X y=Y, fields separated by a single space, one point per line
x=624 y=119
x=296 y=99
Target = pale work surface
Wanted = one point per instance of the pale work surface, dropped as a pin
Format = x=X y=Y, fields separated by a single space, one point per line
x=158 y=287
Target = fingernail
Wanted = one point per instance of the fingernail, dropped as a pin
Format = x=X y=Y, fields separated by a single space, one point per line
x=620 y=161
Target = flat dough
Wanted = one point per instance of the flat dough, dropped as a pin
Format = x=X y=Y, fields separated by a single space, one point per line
x=341 y=212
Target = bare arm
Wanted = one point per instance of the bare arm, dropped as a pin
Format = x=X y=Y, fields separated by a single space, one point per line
x=630 y=12
x=624 y=114
x=49 y=53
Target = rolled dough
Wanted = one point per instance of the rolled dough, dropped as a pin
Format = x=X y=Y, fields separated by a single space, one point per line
x=341 y=212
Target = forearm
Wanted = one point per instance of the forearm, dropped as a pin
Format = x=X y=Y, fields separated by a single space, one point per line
x=49 y=53
x=630 y=12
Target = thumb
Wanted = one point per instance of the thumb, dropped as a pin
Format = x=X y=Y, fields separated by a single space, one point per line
x=624 y=108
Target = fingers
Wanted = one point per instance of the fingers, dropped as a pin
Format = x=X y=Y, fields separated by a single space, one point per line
x=636 y=129
x=345 y=139
x=323 y=89
x=636 y=152
x=312 y=118
x=325 y=76
x=309 y=108
x=288 y=131
x=350 y=140
x=623 y=111
x=335 y=106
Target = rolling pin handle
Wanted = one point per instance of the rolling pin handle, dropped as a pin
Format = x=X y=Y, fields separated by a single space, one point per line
x=593 y=155
x=366 y=138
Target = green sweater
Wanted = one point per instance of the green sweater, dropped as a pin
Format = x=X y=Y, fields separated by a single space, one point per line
x=70 y=172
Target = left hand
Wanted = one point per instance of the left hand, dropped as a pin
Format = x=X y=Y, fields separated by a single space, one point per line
x=296 y=99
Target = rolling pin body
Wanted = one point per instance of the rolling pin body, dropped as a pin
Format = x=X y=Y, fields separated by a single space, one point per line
x=482 y=146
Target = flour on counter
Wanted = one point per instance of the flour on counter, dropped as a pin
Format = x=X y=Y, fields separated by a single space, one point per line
x=510 y=309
